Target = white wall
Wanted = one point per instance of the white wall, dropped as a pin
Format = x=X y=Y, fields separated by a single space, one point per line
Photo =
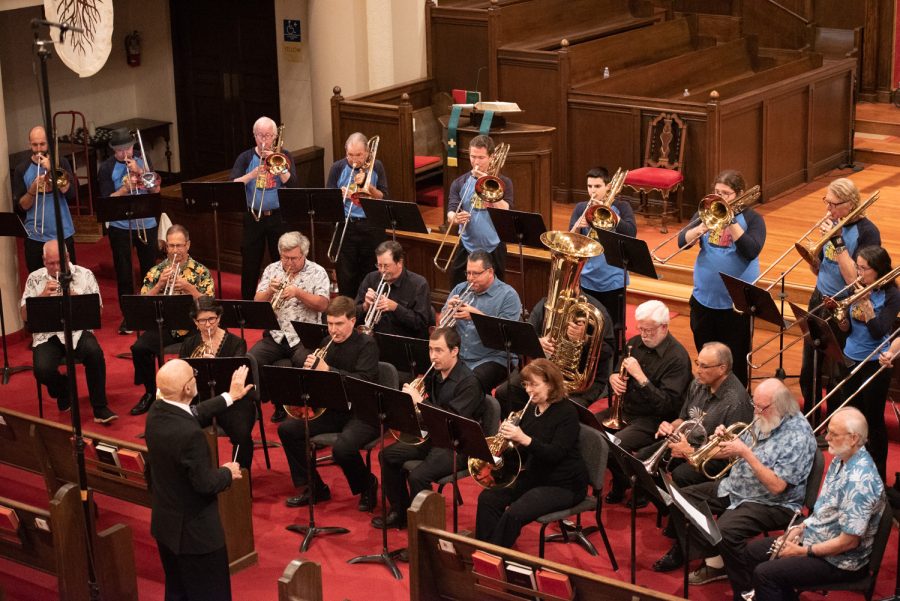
x=294 y=80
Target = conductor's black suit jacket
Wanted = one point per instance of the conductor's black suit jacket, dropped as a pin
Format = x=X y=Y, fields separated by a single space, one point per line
x=184 y=484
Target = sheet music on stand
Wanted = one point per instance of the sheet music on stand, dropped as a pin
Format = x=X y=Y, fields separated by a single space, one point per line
x=310 y=206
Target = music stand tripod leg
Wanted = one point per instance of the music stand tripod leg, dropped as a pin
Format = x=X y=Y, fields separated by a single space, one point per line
x=7 y=370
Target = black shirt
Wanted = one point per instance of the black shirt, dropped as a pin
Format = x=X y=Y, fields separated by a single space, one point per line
x=460 y=393
x=232 y=346
x=414 y=313
x=730 y=403
x=668 y=370
x=553 y=457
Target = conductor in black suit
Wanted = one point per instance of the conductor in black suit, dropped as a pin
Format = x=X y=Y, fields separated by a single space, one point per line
x=184 y=517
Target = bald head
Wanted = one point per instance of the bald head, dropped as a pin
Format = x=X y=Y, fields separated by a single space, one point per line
x=37 y=132
x=173 y=379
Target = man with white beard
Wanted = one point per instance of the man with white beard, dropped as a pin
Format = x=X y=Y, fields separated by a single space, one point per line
x=760 y=493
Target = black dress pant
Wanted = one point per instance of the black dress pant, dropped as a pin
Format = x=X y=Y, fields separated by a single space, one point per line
x=503 y=512
x=144 y=353
x=461 y=259
x=258 y=235
x=266 y=352
x=121 y=246
x=46 y=357
x=871 y=401
x=237 y=421
x=809 y=366
x=726 y=326
x=638 y=434
x=489 y=375
x=435 y=465
x=196 y=577
x=357 y=256
x=355 y=434
x=34 y=253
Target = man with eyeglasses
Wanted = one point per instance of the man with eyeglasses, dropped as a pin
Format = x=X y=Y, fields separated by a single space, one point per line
x=405 y=305
x=303 y=289
x=760 y=493
x=192 y=278
x=263 y=223
x=657 y=369
x=836 y=270
x=360 y=239
x=491 y=297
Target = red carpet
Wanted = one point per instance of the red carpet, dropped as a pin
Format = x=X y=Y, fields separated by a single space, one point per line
x=276 y=546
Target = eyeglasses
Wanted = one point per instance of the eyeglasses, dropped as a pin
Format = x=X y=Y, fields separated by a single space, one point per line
x=704 y=366
x=263 y=136
x=649 y=331
x=475 y=274
x=193 y=377
x=863 y=267
x=207 y=320
x=291 y=259
x=831 y=205
x=834 y=434
x=383 y=266
x=761 y=408
x=175 y=246
x=725 y=193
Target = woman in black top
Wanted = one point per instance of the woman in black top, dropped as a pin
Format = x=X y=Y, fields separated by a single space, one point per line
x=209 y=341
x=553 y=473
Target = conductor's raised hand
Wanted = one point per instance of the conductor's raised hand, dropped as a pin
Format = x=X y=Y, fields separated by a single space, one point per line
x=239 y=388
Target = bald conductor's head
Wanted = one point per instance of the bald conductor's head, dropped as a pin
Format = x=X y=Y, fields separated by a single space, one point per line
x=175 y=380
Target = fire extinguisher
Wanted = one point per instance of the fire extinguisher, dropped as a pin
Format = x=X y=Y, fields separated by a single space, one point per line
x=133 y=49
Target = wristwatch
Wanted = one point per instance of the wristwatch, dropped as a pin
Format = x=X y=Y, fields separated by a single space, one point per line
x=809 y=551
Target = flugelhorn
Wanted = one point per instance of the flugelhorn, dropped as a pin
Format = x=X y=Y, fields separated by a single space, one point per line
x=707 y=452
x=686 y=429
x=298 y=411
x=810 y=252
x=507 y=463
x=352 y=193
x=373 y=315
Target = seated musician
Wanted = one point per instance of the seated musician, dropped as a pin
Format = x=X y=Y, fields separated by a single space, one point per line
x=209 y=341
x=191 y=278
x=759 y=494
x=49 y=348
x=868 y=322
x=450 y=386
x=553 y=474
x=650 y=384
x=734 y=250
x=406 y=308
x=298 y=290
x=512 y=396
x=360 y=239
x=350 y=353
x=120 y=175
x=464 y=208
x=599 y=279
x=491 y=297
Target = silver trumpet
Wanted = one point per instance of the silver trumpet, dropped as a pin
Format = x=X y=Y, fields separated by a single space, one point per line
x=685 y=428
x=278 y=298
x=50 y=278
x=774 y=552
x=373 y=315
x=170 y=285
x=447 y=317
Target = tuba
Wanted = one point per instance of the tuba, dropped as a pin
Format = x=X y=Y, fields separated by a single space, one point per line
x=298 y=411
x=565 y=303
x=616 y=419
x=600 y=215
x=507 y=464
x=685 y=428
x=707 y=452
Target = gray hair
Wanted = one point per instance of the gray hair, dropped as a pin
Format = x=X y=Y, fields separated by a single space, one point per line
x=355 y=138
x=782 y=398
x=264 y=122
x=654 y=310
x=723 y=353
x=845 y=191
x=292 y=240
x=855 y=422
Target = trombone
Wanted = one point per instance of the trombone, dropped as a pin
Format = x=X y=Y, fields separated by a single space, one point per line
x=148 y=177
x=599 y=214
x=810 y=252
x=353 y=191
x=715 y=213
x=782 y=256
x=275 y=163
x=60 y=179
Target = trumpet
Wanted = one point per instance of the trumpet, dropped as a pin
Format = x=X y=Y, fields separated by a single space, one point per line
x=686 y=429
x=278 y=299
x=707 y=452
x=507 y=463
x=447 y=317
x=50 y=278
x=775 y=551
x=419 y=385
x=810 y=252
x=373 y=315
x=298 y=411
x=616 y=419
x=715 y=213
x=169 y=290
x=353 y=192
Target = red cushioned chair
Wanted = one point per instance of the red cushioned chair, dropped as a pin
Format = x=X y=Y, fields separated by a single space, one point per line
x=663 y=160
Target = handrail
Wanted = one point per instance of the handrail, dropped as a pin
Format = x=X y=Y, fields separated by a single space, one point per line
x=790 y=12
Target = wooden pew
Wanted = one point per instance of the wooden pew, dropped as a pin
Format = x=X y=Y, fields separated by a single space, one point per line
x=53 y=541
x=301 y=581
x=438 y=574
x=46 y=448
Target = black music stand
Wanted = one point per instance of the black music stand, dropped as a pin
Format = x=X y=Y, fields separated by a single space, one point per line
x=505 y=334
x=630 y=255
x=824 y=344
x=386 y=408
x=521 y=228
x=130 y=207
x=638 y=476
x=311 y=334
x=698 y=517
x=214 y=197
x=748 y=298
x=309 y=389
x=10 y=225
x=408 y=355
x=394 y=215
x=249 y=315
x=318 y=205
x=461 y=435
x=146 y=312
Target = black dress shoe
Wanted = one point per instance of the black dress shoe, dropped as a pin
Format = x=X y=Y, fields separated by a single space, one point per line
x=279 y=415
x=638 y=500
x=672 y=560
x=615 y=495
x=143 y=405
x=323 y=493
x=394 y=520
x=369 y=497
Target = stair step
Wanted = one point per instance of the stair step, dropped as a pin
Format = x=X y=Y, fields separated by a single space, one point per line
x=871 y=126
x=880 y=157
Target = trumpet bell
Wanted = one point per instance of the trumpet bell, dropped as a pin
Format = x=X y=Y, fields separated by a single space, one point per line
x=500 y=473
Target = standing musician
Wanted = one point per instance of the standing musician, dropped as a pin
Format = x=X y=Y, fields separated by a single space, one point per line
x=733 y=251
x=49 y=348
x=479 y=233
x=263 y=223
x=350 y=353
x=553 y=473
x=209 y=341
x=298 y=290
x=599 y=279
x=833 y=544
x=759 y=494
x=452 y=387
x=191 y=278
x=656 y=374
x=491 y=297
x=405 y=310
x=837 y=267
x=360 y=239
x=120 y=175
x=31 y=176
x=868 y=324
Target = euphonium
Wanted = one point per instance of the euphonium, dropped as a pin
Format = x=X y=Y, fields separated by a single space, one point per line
x=170 y=285
x=707 y=452
x=373 y=315
x=686 y=429
x=616 y=419
x=565 y=303
x=298 y=411
x=507 y=464
x=600 y=216
x=419 y=385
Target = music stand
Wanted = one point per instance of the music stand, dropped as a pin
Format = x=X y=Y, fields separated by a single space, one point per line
x=322 y=205
x=824 y=344
x=461 y=435
x=10 y=225
x=311 y=334
x=630 y=255
x=247 y=314
x=213 y=197
x=130 y=207
x=386 y=408
x=393 y=215
x=403 y=352
x=588 y=418
x=307 y=388
x=146 y=312
x=521 y=228
x=748 y=298
x=697 y=517
x=504 y=334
